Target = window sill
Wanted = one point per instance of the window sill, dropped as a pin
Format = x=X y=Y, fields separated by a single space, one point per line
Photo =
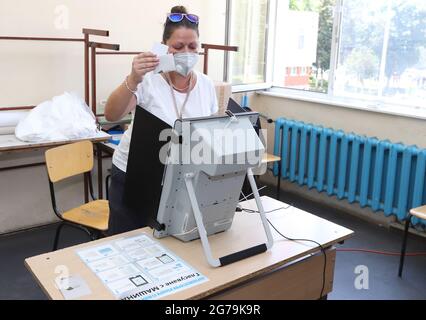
x=371 y=106
x=250 y=87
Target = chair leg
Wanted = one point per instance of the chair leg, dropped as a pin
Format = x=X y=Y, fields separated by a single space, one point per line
x=107 y=186
x=102 y=234
x=58 y=231
x=279 y=181
x=86 y=230
x=94 y=235
x=404 y=245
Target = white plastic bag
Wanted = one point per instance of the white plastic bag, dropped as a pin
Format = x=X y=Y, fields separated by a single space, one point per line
x=64 y=117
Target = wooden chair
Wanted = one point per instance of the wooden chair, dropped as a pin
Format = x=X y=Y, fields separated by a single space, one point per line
x=68 y=161
x=420 y=213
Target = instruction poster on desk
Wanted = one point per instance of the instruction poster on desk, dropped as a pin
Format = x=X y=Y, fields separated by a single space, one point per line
x=139 y=268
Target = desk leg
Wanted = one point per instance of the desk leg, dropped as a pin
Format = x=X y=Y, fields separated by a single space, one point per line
x=100 y=184
x=86 y=190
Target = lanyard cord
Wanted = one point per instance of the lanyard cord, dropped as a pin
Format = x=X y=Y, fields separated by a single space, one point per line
x=182 y=109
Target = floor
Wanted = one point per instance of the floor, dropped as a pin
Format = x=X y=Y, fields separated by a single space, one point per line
x=358 y=276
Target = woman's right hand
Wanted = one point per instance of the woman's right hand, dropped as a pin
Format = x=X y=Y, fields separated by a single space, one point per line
x=142 y=64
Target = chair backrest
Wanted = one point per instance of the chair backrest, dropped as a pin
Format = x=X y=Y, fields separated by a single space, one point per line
x=69 y=160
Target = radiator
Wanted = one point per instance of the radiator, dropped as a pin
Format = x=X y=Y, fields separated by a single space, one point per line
x=385 y=176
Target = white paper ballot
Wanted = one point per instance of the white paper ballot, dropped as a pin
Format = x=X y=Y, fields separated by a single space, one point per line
x=159 y=49
x=133 y=268
x=134 y=243
x=167 y=61
x=73 y=287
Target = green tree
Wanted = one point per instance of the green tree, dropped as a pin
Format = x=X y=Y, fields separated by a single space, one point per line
x=407 y=37
x=367 y=31
x=294 y=5
x=325 y=31
x=362 y=63
x=304 y=5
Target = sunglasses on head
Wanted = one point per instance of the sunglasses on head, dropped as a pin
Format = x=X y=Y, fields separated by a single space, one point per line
x=178 y=17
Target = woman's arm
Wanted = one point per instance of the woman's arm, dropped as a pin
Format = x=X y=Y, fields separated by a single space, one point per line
x=120 y=103
x=123 y=99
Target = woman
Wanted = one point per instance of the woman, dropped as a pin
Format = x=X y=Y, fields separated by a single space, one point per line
x=184 y=93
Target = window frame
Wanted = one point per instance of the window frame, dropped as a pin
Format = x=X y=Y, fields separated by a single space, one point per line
x=335 y=42
x=269 y=50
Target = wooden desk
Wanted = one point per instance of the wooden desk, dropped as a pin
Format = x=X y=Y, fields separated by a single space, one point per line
x=290 y=270
x=9 y=143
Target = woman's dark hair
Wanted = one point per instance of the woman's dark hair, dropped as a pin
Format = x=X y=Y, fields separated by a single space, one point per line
x=170 y=27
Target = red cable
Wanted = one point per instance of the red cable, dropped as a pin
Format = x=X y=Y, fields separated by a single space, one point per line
x=415 y=254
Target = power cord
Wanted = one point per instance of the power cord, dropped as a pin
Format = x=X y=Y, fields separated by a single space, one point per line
x=239 y=209
x=294 y=240
x=307 y=240
x=246 y=197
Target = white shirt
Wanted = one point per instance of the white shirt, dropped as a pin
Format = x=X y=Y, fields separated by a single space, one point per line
x=154 y=95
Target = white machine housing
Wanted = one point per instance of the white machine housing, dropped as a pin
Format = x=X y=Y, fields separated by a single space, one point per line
x=199 y=198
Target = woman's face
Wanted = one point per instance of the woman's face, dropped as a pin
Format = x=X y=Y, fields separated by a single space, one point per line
x=183 y=40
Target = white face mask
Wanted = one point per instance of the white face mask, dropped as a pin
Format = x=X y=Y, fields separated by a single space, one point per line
x=185 y=62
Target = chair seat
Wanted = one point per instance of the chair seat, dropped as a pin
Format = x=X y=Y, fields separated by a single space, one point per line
x=268 y=158
x=419 y=212
x=94 y=214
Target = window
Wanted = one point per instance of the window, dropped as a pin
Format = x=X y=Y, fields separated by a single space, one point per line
x=378 y=53
x=358 y=50
x=248 y=31
x=383 y=55
x=301 y=40
x=309 y=47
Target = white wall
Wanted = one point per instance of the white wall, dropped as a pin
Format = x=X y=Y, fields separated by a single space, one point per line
x=31 y=72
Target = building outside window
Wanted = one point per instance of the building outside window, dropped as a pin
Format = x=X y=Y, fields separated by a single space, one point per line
x=307 y=48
